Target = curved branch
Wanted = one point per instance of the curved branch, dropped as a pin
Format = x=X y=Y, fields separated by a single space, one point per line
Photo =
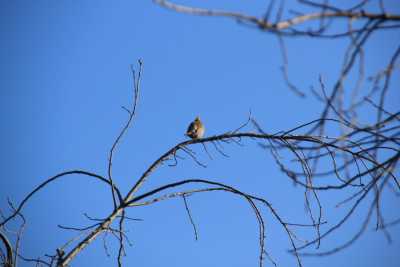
x=51 y=179
x=9 y=249
x=129 y=198
x=305 y=138
x=226 y=188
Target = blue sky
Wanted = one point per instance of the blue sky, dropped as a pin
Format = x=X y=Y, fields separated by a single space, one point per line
x=64 y=76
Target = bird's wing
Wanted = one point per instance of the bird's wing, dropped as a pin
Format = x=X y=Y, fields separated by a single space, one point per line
x=190 y=128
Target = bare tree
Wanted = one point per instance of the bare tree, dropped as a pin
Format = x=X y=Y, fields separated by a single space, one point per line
x=336 y=152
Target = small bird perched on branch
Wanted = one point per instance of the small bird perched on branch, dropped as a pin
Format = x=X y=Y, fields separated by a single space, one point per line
x=196 y=129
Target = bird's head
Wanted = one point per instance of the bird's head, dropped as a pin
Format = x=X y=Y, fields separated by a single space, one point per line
x=197 y=118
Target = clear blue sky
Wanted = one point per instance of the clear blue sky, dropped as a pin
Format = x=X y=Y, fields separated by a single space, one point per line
x=64 y=75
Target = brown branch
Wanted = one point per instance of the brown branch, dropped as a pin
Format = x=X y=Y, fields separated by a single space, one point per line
x=104 y=225
x=190 y=216
x=129 y=199
x=132 y=112
x=263 y=24
x=9 y=258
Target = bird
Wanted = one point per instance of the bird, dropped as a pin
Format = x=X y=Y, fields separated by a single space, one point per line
x=196 y=129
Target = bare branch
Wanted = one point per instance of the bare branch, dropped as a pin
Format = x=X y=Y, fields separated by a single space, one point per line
x=132 y=112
